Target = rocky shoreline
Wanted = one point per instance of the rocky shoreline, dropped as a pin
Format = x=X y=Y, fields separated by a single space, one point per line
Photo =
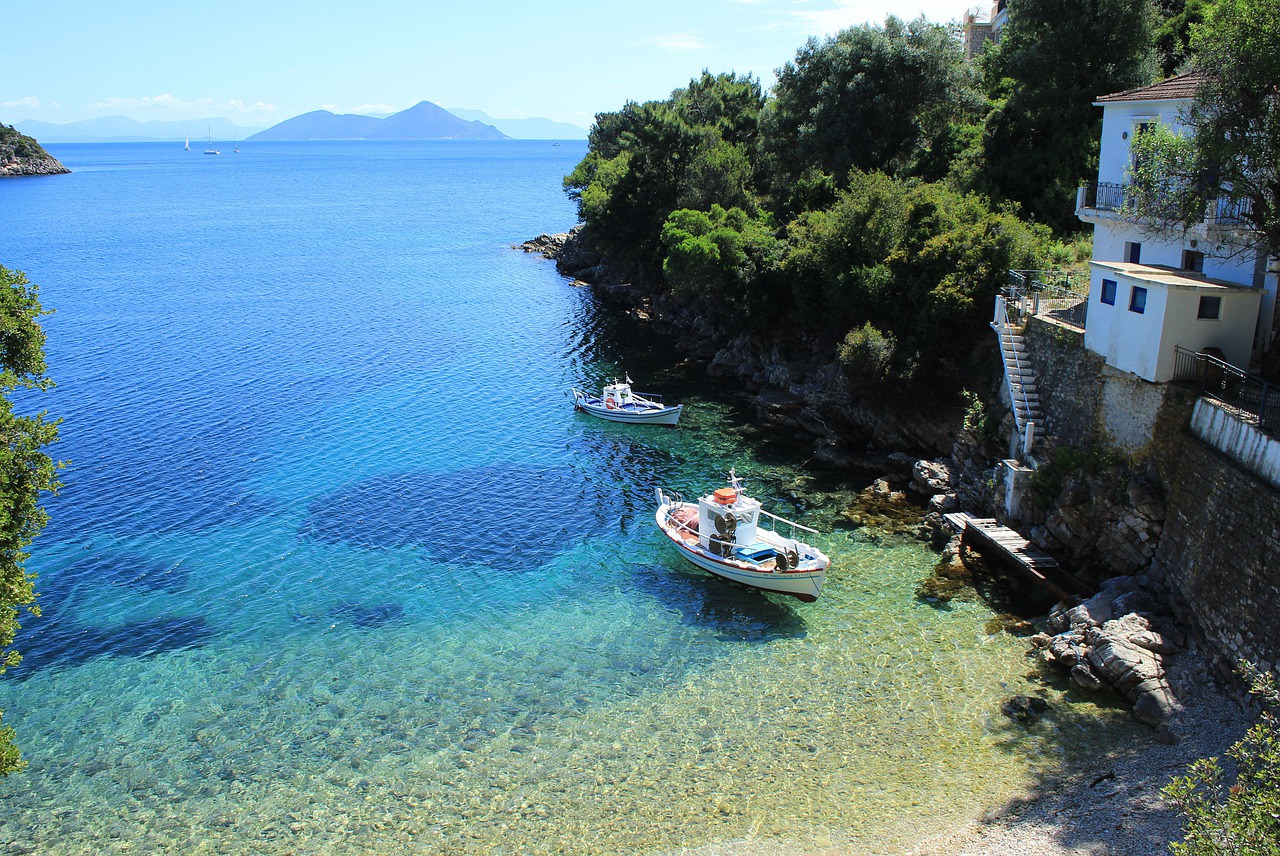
x=20 y=155
x=1105 y=521
x=47 y=165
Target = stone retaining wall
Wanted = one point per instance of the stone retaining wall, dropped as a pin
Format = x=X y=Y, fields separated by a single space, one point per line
x=1218 y=552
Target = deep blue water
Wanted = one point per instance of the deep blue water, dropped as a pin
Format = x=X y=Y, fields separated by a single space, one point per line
x=336 y=567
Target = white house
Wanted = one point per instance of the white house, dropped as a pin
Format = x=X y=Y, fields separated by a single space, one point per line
x=1152 y=293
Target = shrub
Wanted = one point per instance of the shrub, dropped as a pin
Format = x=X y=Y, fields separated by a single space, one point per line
x=867 y=353
x=1242 y=817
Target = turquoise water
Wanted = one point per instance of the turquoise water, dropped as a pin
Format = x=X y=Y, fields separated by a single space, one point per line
x=337 y=569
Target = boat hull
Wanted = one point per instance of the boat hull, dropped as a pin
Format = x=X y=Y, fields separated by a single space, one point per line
x=633 y=415
x=803 y=582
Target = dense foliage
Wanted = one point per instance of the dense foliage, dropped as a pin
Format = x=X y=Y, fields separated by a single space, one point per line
x=26 y=472
x=869 y=98
x=853 y=208
x=1230 y=163
x=1238 y=813
x=14 y=144
x=1041 y=138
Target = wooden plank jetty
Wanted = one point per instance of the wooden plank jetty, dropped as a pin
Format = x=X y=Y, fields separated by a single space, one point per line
x=992 y=539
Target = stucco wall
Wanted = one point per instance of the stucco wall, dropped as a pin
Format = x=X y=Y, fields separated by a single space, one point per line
x=1240 y=441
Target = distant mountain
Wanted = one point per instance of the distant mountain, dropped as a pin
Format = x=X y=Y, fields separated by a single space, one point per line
x=118 y=129
x=525 y=129
x=423 y=121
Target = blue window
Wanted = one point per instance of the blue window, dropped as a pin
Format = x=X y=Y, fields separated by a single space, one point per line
x=1109 y=292
x=1132 y=252
x=1210 y=308
x=1138 y=300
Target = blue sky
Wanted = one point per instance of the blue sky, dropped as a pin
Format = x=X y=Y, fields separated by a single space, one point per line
x=258 y=62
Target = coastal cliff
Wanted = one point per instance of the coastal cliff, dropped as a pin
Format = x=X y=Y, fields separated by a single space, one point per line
x=21 y=155
x=798 y=382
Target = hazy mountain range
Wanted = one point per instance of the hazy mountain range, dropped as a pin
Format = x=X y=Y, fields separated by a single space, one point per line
x=423 y=121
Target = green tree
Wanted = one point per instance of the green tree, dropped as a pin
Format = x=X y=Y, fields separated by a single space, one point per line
x=726 y=261
x=868 y=98
x=647 y=160
x=1243 y=816
x=26 y=472
x=1055 y=58
x=1228 y=161
x=918 y=262
x=1178 y=18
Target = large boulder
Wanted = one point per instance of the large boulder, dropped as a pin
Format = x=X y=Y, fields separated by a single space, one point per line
x=932 y=477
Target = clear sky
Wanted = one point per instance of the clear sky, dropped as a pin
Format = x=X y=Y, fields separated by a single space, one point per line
x=259 y=62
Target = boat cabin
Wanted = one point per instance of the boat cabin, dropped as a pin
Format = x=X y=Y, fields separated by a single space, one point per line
x=617 y=395
x=726 y=518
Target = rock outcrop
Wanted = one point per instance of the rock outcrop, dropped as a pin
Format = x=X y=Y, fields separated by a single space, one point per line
x=21 y=155
x=1110 y=640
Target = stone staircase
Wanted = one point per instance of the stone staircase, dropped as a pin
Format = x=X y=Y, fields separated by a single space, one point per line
x=1020 y=380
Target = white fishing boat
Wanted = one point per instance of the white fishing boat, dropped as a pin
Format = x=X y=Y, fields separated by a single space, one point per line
x=729 y=534
x=617 y=402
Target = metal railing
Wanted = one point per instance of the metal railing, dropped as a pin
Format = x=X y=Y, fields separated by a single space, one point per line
x=1059 y=294
x=1111 y=196
x=1250 y=397
x=1003 y=324
x=1105 y=195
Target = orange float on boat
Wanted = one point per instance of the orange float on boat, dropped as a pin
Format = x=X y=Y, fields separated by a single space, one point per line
x=726 y=495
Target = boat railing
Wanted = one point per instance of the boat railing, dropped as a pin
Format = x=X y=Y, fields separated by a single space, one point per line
x=670 y=498
x=774 y=520
x=648 y=396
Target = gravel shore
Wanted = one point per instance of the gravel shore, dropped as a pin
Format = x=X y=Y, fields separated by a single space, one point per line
x=1112 y=807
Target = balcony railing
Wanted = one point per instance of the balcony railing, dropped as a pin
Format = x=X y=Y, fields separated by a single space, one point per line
x=1061 y=295
x=1110 y=196
x=1250 y=397
x=1105 y=195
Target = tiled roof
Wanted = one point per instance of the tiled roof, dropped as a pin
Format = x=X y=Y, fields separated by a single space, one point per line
x=1182 y=86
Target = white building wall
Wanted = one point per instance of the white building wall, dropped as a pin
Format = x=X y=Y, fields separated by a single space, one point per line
x=1231 y=332
x=1119 y=121
x=1109 y=245
x=1129 y=341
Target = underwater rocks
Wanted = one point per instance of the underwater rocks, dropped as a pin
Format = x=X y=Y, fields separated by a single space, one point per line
x=886 y=511
x=1025 y=709
x=1109 y=641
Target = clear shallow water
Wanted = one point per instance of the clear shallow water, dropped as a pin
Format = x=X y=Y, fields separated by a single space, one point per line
x=337 y=569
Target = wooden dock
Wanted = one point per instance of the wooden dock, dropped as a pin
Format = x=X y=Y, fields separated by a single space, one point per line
x=994 y=540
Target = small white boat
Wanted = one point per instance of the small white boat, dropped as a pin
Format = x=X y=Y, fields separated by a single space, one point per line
x=618 y=403
x=729 y=534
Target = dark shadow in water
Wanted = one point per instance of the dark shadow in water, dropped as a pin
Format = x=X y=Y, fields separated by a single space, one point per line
x=121 y=570
x=70 y=644
x=736 y=613
x=365 y=616
x=502 y=515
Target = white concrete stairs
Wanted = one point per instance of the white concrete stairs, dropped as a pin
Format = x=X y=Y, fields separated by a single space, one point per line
x=1020 y=380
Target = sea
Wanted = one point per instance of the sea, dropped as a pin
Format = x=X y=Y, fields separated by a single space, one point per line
x=337 y=568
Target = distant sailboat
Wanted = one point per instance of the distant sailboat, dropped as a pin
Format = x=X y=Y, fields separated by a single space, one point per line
x=187 y=147
x=210 y=150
